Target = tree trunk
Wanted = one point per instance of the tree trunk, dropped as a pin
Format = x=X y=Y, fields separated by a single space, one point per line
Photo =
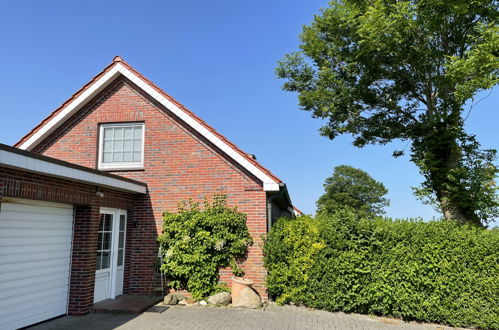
x=452 y=211
x=439 y=158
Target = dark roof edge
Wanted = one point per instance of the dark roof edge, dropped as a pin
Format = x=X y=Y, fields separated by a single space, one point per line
x=67 y=164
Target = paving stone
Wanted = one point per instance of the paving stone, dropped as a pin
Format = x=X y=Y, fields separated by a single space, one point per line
x=272 y=317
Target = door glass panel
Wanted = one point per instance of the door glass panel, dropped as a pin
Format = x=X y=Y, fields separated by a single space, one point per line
x=120 y=257
x=101 y=222
x=108 y=224
x=121 y=242
x=99 y=261
x=122 y=222
x=106 y=241
x=103 y=258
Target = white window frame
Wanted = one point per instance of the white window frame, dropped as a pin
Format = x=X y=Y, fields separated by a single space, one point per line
x=119 y=165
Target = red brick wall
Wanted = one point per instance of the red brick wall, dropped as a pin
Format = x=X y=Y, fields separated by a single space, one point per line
x=19 y=184
x=178 y=165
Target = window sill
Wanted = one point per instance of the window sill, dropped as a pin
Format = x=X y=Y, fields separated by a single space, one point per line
x=121 y=169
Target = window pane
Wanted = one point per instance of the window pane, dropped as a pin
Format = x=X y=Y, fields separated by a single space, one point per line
x=105 y=260
x=121 y=242
x=98 y=261
x=137 y=132
x=127 y=145
x=127 y=156
x=128 y=133
x=117 y=157
x=137 y=156
x=137 y=145
x=108 y=133
x=108 y=157
x=108 y=145
x=120 y=257
x=118 y=145
x=118 y=133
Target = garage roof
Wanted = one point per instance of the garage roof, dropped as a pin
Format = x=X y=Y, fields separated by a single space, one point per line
x=31 y=162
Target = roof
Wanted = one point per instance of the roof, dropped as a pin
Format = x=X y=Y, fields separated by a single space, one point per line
x=297 y=211
x=120 y=68
x=11 y=157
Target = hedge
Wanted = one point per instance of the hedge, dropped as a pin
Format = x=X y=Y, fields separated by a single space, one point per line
x=437 y=271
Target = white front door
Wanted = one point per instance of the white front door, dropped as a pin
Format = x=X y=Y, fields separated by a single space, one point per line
x=110 y=258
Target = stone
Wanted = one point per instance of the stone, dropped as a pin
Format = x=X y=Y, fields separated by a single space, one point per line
x=170 y=299
x=220 y=299
x=180 y=296
x=203 y=303
x=247 y=298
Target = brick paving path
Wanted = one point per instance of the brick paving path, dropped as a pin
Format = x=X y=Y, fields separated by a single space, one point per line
x=272 y=317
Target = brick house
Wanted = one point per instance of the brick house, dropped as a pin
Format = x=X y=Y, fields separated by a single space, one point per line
x=121 y=126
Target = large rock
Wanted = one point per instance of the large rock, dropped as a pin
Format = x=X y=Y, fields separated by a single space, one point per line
x=220 y=299
x=247 y=298
x=180 y=296
x=170 y=299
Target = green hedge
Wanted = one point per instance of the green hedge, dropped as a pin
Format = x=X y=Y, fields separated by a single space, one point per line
x=437 y=271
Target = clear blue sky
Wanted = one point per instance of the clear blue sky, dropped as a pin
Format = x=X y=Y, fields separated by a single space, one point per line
x=215 y=57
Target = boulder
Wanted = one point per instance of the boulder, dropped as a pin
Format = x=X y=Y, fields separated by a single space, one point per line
x=220 y=299
x=170 y=299
x=247 y=298
x=179 y=296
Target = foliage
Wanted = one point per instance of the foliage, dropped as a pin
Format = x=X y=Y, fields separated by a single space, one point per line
x=289 y=250
x=354 y=188
x=438 y=271
x=196 y=242
x=404 y=69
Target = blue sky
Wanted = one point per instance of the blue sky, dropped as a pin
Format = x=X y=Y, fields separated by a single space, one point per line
x=215 y=57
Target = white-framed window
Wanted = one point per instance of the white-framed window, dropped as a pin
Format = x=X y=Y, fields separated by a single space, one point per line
x=121 y=146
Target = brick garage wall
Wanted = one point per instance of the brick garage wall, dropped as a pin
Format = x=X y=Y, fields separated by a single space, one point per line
x=178 y=165
x=19 y=184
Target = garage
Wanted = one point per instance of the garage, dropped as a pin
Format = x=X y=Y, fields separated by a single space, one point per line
x=50 y=214
x=35 y=258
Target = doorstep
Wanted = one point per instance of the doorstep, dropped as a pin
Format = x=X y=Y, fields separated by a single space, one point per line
x=126 y=304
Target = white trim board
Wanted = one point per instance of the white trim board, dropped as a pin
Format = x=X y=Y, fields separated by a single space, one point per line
x=269 y=184
x=30 y=164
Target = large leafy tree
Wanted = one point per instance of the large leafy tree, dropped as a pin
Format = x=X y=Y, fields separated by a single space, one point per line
x=353 y=188
x=404 y=69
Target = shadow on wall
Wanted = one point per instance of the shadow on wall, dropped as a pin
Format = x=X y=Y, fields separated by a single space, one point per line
x=141 y=275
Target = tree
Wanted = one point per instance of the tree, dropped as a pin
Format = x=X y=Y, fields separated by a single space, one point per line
x=353 y=188
x=404 y=69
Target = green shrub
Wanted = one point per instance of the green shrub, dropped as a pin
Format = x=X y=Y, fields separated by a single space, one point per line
x=289 y=251
x=438 y=271
x=195 y=243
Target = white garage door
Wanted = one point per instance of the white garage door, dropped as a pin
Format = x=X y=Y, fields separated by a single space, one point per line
x=35 y=254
